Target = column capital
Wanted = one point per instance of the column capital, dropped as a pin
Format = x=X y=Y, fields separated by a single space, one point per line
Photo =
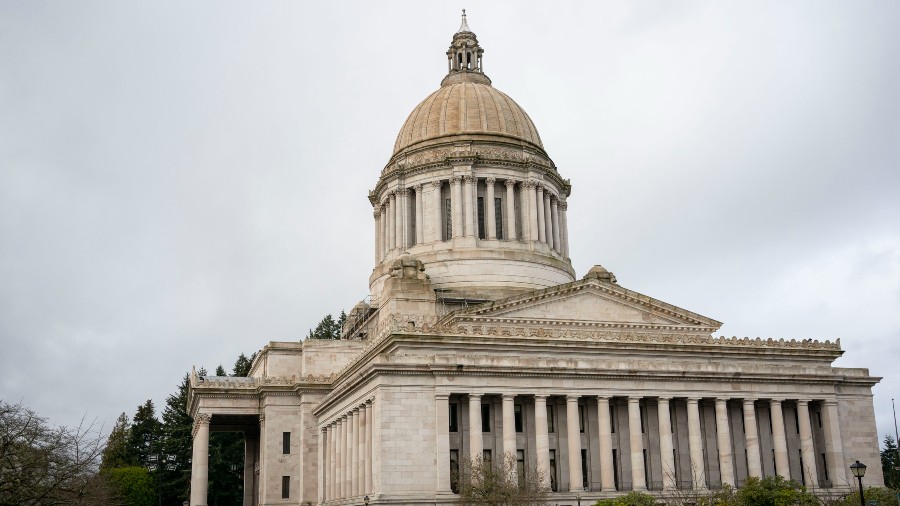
x=391 y=194
x=490 y=181
x=553 y=199
x=721 y=400
x=604 y=398
x=475 y=395
x=802 y=402
x=529 y=184
x=441 y=397
x=469 y=178
x=262 y=420
x=508 y=396
x=354 y=411
x=749 y=400
x=377 y=212
x=539 y=188
x=663 y=398
x=201 y=419
x=541 y=396
x=830 y=402
x=776 y=400
x=437 y=184
x=572 y=397
x=402 y=192
x=418 y=188
x=456 y=180
x=563 y=205
x=634 y=399
x=693 y=400
x=510 y=183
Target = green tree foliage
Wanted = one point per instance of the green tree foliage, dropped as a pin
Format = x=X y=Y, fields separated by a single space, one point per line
x=177 y=446
x=115 y=454
x=328 y=328
x=143 y=438
x=133 y=485
x=878 y=495
x=487 y=483
x=220 y=371
x=629 y=499
x=242 y=365
x=890 y=463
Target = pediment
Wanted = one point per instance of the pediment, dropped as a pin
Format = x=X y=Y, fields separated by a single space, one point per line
x=589 y=302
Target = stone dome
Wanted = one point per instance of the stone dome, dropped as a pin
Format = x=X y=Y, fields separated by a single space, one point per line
x=466 y=105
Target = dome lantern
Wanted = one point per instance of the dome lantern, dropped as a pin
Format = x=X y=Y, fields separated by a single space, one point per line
x=464 y=58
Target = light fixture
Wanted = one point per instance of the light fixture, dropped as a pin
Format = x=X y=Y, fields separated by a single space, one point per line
x=859 y=470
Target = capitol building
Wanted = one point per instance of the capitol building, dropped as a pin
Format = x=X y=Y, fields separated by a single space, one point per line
x=480 y=340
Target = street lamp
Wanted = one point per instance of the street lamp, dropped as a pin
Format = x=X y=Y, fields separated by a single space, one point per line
x=578 y=496
x=859 y=470
x=366 y=500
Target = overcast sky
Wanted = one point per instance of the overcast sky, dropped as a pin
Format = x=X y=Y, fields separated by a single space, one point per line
x=181 y=182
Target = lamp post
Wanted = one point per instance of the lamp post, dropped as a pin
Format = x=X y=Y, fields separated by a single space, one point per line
x=859 y=470
x=578 y=496
x=366 y=500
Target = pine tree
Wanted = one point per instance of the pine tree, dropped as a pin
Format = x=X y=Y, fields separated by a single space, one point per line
x=890 y=463
x=220 y=371
x=327 y=328
x=177 y=446
x=242 y=365
x=115 y=454
x=143 y=439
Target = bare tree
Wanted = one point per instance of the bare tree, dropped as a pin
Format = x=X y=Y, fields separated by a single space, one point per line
x=498 y=483
x=44 y=465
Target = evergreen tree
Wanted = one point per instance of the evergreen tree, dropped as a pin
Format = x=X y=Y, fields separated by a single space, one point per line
x=115 y=454
x=327 y=329
x=143 y=439
x=242 y=365
x=177 y=446
x=220 y=371
x=890 y=463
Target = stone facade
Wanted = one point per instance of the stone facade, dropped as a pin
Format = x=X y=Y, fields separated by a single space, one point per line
x=479 y=341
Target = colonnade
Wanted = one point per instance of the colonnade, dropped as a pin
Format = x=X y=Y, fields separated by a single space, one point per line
x=346 y=448
x=723 y=441
x=419 y=214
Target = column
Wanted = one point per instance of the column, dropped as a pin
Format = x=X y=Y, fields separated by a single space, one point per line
x=476 y=444
x=456 y=203
x=420 y=215
x=320 y=482
x=392 y=221
x=576 y=483
x=510 y=209
x=751 y=439
x=469 y=209
x=376 y=213
x=542 y=440
x=554 y=213
x=442 y=443
x=509 y=430
x=363 y=445
x=403 y=218
x=723 y=441
x=636 y=443
x=332 y=461
x=437 y=210
x=529 y=196
x=779 y=440
x=354 y=454
x=564 y=228
x=548 y=219
x=541 y=222
x=370 y=421
x=339 y=459
x=806 y=446
x=695 y=444
x=489 y=215
x=666 y=446
x=348 y=455
x=200 y=460
x=834 y=449
x=607 y=478
x=375 y=456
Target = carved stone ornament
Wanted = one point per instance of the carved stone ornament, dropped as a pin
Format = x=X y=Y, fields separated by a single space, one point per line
x=200 y=419
x=376 y=213
x=563 y=205
x=529 y=184
x=469 y=179
x=456 y=180
x=437 y=184
x=490 y=181
x=402 y=192
x=510 y=183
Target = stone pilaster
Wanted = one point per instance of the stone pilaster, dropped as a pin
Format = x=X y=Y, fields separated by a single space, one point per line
x=510 y=232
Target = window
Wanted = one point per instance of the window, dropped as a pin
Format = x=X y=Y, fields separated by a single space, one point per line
x=553 y=470
x=286 y=443
x=819 y=418
x=612 y=418
x=642 y=414
x=825 y=466
x=802 y=475
x=448 y=219
x=454 y=424
x=520 y=467
x=498 y=216
x=584 y=472
x=486 y=455
x=797 y=421
x=454 y=471
x=550 y=428
x=646 y=468
x=485 y=418
x=771 y=429
x=517 y=409
x=616 y=468
x=285 y=487
x=481 y=234
x=581 y=418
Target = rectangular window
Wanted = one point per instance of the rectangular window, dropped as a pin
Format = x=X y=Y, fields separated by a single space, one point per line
x=646 y=468
x=616 y=468
x=581 y=418
x=486 y=455
x=641 y=415
x=454 y=471
x=584 y=470
x=485 y=418
x=612 y=419
x=819 y=418
x=448 y=219
x=520 y=423
x=553 y=470
x=498 y=216
x=412 y=220
x=285 y=487
x=771 y=429
x=797 y=421
x=550 y=427
x=286 y=443
x=520 y=467
x=454 y=415
x=481 y=234
x=802 y=475
x=825 y=466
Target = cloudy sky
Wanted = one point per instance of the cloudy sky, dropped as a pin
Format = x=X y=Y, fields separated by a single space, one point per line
x=181 y=182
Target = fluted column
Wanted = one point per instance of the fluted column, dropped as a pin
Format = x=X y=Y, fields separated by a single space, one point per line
x=509 y=431
x=403 y=218
x=666 y=446
x=834 y=448
x=385 y=233
x=489 y=215
x=332 y=462
x=420 y=215
x=510 y=209
x=370 y=423
x=476 y=443
x=442 y=442
x=376 y=213
x=348 y=455
x=604 y=426
x=391 y=221
x=320 y=467
x=529 y=198
x=576 y=483
x=541 y=222
x=542 y=440
x=695 y=444
x=468 y=200
x=354 y=455
x=437 y=206
x=548 y=218
x=375 y=448
x=636 y=442
x=806 y=446
x=723 y=441
x=363 y=457
x=339 y=458
x=779 y=439
x=200 y=460
x=564 y=227
x=554 y=213
x=456 y=202
x=751 y=439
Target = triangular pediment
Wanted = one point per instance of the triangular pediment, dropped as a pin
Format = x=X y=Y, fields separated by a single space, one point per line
x=588 y=302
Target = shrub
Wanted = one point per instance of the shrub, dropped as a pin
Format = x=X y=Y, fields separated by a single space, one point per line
x=629 y=499
x=881 y=496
